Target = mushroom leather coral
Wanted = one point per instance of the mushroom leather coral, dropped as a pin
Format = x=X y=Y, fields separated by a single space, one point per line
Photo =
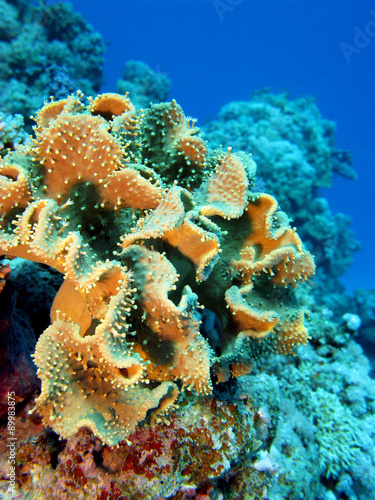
x=149 y=227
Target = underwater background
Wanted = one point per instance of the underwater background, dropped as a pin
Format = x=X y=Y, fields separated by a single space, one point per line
x=271 y=392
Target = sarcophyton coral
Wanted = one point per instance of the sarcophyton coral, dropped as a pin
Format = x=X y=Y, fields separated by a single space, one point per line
x=153 y=232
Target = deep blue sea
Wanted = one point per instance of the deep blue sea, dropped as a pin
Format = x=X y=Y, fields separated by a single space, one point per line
x=217 y=51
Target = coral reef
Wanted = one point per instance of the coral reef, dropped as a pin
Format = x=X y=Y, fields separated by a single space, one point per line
x=4 y=271
x=60 y=84
x=12 y=133
x=363 y=304
x=144 y=85
x=196 y=452
x=179 y=279
x=295 y=155
x=324 y=439
x=35 y=38
x=148 y=227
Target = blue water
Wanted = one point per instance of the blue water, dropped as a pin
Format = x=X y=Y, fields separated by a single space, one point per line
x=218 y=51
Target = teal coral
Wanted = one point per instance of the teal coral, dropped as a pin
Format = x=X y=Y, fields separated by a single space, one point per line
x=34 y=37
x=12 y=133
x=144 y=85
x=324 y=439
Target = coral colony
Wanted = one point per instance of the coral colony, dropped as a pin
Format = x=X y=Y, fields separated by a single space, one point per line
x=160 y=240
x=149 y=228
x=160 y=337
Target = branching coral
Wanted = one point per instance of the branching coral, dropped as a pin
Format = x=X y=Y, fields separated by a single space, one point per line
x=149 y=228
x=11 y=132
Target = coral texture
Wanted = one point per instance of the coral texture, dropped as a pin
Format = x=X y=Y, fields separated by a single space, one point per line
x=196 y=452
x=325 y=434
x=11 y=132
x=43 y=48
x=149 y=228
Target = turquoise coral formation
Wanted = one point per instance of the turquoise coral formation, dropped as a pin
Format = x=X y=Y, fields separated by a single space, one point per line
x=144 y=85
x=12 y=133
x=35 y=37
x=327 y=401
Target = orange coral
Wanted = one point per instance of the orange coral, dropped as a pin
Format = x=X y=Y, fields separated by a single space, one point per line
x=192 y=148
x=268 y=248
x=186 y=353
x=164 y=218
x=92 y=156
x=179 y=138
x=4 y=272
x=14 y=188
x=51 y=110
x=251 y=321
x=149 y=228
x=109 y=105
x=91 y=378
x=292 y=333
x=227 y=189
x=196 y=244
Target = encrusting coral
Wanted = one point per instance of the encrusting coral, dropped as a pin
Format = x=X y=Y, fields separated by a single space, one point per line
x=150 y=229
